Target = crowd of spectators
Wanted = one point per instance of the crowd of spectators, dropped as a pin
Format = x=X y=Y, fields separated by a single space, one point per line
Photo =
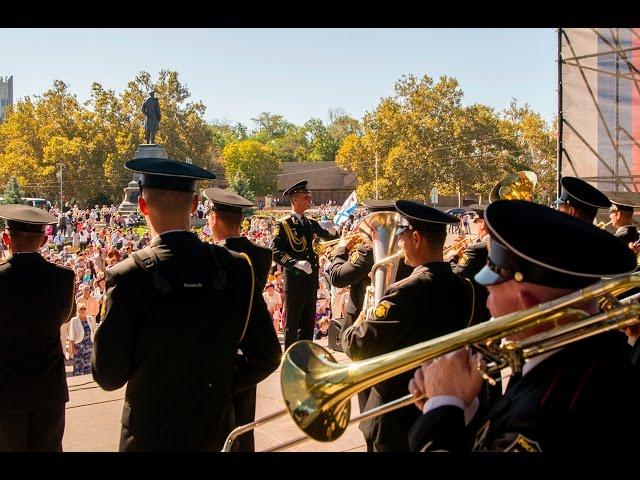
x=89 y=240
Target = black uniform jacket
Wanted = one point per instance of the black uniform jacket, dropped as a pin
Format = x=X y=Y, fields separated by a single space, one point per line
x=352 y=270
x=472 y=261
x=582 y=398
x=627 y=234
x=431 y=302
x=173 y=334
x=292 y=242
x=36 y=299
x=261 y=257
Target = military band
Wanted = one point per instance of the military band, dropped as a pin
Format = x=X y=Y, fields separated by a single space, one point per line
x=206 y=299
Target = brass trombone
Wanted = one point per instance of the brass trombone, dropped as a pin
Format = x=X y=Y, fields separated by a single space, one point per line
x=317 y=390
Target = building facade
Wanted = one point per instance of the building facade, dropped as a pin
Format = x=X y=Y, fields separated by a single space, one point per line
x=6 y=95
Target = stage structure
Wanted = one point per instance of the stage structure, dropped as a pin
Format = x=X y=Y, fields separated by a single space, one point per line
x=599 y=108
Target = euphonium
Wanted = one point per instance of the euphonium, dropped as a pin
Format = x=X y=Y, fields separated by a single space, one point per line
x=378 y=228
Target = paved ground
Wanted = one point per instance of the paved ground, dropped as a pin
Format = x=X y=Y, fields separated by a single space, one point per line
x=93 y=418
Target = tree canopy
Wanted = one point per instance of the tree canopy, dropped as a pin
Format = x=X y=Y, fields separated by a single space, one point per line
x=423 y=136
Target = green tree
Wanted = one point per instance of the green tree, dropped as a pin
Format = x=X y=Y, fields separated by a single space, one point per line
x=90 y=143
x=12 y=193
x=242 y=186
x=535 y=144
x=251 y=165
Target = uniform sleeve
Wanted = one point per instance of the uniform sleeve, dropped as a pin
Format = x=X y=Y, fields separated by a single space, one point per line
x=113 y=347
x=281 y=248
x=471 y=265
x=322 y=233
x=381 y=333
x=71 y=307
x=345 y=270
x=260 y=347
x=441 y=429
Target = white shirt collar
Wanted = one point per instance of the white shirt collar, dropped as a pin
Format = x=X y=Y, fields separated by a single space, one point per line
x=485 y=238
x=299 y=217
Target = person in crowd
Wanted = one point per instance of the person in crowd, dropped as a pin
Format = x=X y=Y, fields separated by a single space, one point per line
x=32 y=379
x=274 y=304
x=90 y=302
x=179 y=291
x=82 y=329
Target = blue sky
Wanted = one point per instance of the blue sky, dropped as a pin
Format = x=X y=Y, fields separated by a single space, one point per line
x=299 y=73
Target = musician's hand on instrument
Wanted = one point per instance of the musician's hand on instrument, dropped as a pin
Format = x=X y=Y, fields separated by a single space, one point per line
x=360 y=318
x=344 y=243
x=303 y=265
x=454 y=374
x=451 y=256
x=635 y=247
x=416 y=388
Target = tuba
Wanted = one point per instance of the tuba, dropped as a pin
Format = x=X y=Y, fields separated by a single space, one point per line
x=517 y=186
x=378 y=228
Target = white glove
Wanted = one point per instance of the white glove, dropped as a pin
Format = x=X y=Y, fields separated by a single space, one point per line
x=344 y=242
x=304 y=266
x=331 y=229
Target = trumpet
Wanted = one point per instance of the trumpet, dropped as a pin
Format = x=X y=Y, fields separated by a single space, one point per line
x=604 y=225
x=320 y=247
x=317 y=390
x=457 y=246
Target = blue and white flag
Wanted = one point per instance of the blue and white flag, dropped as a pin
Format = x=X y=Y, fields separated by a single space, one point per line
x=348 y=207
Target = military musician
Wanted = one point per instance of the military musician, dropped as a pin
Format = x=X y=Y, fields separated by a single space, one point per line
x=580 y=199
x=430 y=302
x=292 y=248
x=621 y=215
x=225 y=217
x=575 y=398
x=472 y=260
x=351 y=268
x=180 y=295
x=32 y=373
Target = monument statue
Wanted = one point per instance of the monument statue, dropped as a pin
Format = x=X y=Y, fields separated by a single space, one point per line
x=151 y=109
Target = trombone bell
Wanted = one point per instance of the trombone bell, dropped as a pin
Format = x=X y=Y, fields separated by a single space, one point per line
x=317 y=414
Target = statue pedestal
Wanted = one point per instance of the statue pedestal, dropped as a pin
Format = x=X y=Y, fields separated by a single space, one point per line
x=132 y=191
x=150 y=150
